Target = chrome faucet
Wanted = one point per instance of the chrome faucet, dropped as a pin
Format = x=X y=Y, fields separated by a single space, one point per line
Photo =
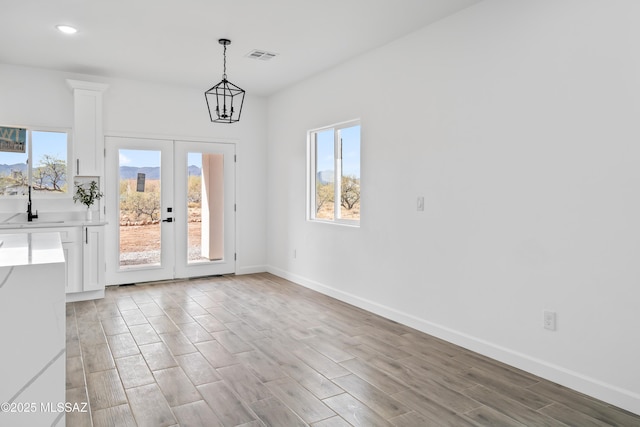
x=30 y=216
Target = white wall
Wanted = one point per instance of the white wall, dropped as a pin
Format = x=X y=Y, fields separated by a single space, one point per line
x=36 y=97
x=518 y=123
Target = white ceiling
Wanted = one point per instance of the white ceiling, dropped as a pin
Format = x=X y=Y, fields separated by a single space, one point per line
x=175 y=42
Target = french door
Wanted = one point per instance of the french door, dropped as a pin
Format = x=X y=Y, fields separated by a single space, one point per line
x=170 y=209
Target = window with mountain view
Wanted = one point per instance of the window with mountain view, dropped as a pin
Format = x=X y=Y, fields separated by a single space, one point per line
x=334 y=174
x=33 y=157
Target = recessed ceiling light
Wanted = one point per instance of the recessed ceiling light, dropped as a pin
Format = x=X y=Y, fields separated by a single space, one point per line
x=66 y=29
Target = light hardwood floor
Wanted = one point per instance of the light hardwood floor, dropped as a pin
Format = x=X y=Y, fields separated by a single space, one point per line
x=257 y=350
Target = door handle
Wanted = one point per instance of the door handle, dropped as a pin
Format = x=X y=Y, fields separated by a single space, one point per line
x=168 y=220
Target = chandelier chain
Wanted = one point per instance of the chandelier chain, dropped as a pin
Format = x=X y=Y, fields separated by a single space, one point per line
x=224 y=67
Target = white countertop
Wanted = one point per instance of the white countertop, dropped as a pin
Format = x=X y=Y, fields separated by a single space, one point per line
x=32 y=312
x=18 y=221
x=7 y=227
x=30 y=249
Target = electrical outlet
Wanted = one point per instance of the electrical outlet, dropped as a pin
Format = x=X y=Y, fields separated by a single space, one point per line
x=550 y=320
x=420 y=204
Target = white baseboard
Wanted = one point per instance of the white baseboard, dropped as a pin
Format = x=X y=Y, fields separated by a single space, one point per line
x=85 y=296
x=252 y=269
x=611 y=394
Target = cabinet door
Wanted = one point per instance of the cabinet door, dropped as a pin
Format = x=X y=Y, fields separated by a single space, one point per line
x=73 y=272
x=93 y=258
x=88 y=141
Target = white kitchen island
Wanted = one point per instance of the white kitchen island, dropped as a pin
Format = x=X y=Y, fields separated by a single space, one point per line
x=32 y=345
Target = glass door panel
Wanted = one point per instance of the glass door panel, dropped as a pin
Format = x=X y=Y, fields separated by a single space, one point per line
x=140 y=241
x=205 y=206
x=205 y=188
x=139 y=205
x=194 y=207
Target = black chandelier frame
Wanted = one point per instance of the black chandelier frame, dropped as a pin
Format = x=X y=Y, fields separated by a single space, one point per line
x=225 y=100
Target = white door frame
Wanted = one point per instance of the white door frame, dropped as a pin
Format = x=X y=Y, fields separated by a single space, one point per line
x=227 y=264
x=173 y=169
x=114 y=274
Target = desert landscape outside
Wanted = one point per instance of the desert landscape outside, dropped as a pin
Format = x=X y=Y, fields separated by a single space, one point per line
x=140 y=231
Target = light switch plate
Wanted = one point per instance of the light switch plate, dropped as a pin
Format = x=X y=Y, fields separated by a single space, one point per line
x=550 y=320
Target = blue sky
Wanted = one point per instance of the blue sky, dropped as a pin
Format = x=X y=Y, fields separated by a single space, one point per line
x=12 y=158
x=52 y=143
x=194 y=159
x=139 y=158
x=151 y=158
x=350 y=151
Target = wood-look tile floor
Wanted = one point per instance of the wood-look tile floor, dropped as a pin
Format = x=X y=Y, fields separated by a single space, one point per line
x=257 y=350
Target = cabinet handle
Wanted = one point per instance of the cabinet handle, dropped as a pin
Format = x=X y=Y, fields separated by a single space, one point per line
x=77 y=166
x=86 y=235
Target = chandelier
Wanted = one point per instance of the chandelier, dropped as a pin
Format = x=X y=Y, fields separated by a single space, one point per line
x=225 y=99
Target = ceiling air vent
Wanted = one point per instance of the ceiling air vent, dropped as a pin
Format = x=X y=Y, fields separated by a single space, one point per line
x=262 y=55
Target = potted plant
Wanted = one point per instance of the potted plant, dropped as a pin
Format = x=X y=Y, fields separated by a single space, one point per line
x=87 y=196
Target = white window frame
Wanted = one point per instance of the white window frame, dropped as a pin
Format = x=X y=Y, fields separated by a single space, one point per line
x=70 y=182
x=312 y=174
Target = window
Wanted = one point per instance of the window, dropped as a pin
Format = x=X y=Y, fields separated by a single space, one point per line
x=33 y=157
x=334 y=174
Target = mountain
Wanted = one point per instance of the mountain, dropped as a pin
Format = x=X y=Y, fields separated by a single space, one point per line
x=131 y=172
x=194 y=171
x=126 y=172
x=7 y=169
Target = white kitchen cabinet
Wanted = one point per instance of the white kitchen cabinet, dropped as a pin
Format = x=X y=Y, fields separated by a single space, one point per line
x=88 y=138
x=83 y=248
x=93 y=263
x=73 y=256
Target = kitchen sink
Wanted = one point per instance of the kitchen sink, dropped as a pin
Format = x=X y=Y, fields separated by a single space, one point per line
x=20 y=220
